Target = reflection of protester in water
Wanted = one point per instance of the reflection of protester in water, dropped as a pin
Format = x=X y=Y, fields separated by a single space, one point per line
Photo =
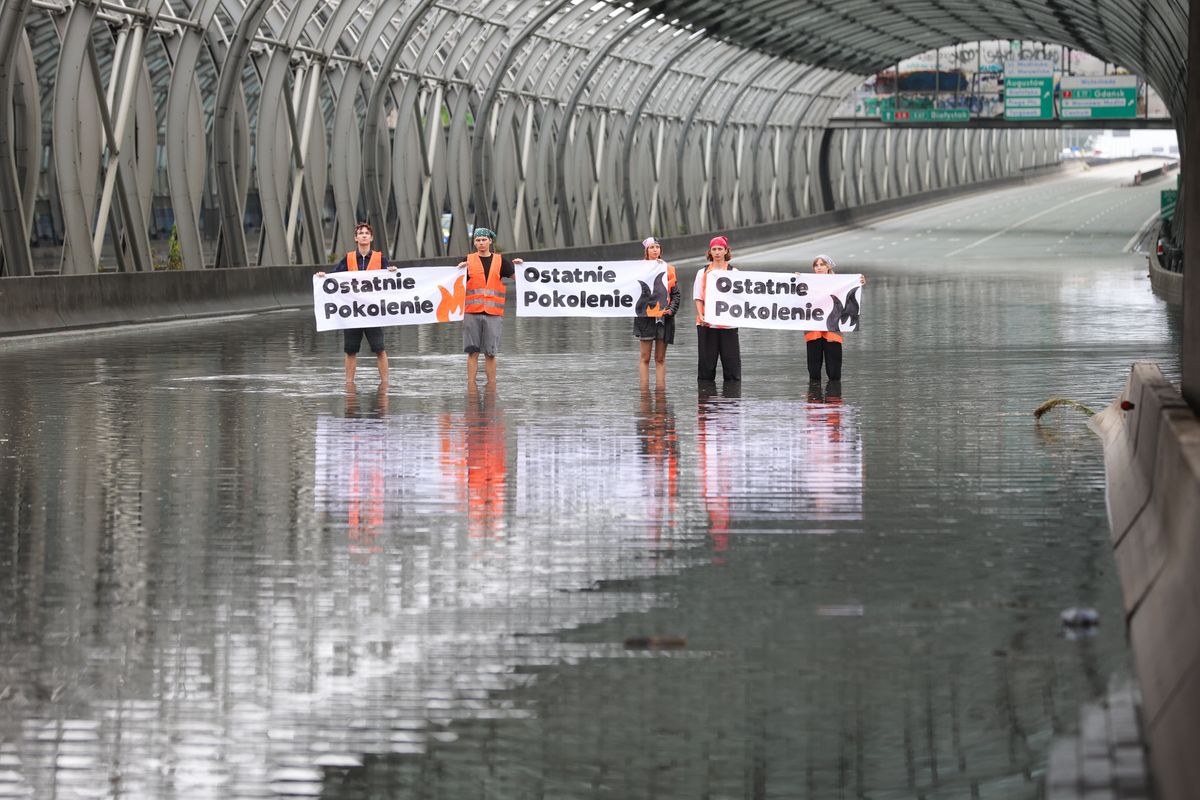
x=825 y=345
x=715 y=342
x=363 y=258
x=366 y=451
x=716 y=468
x=486 y=272
x=486 y=467
x=659 y=445
x=656 y=331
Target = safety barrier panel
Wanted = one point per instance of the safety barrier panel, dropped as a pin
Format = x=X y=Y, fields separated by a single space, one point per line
x=1152 y=459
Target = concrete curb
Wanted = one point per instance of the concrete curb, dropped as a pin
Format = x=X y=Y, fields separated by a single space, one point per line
x=1164 y=283
x=1152 y=460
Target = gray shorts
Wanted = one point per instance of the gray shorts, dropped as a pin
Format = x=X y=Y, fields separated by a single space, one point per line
x=481 y=333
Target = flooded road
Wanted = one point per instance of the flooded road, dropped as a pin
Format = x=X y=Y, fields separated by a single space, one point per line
x=222 y=576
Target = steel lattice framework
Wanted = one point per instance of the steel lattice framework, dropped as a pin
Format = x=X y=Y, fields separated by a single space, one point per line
x=262 y=130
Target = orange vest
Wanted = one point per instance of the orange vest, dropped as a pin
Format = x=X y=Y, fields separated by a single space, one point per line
x=376 y=261
x=485 y=290
x=812 y=336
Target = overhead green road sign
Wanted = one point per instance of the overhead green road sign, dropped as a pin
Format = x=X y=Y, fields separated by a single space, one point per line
x=926 y=115
x=1099 y=97
x=1167 y=200
x=1029 y=90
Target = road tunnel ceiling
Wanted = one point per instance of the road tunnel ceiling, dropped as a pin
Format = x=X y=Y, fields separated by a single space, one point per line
x=1148 y=37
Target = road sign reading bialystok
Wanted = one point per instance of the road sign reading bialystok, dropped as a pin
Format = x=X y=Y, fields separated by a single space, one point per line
x=926 y=115
x=1029 y=90
x=1099 y=97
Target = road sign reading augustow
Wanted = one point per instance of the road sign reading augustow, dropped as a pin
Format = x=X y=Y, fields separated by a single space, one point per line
x=1029 y=90
x=1099 y=97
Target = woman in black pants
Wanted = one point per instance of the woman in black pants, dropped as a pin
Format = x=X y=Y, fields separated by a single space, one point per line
x=715 y=341
x=825 y=345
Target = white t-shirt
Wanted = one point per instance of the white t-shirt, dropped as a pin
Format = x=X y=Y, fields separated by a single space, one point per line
x=698 y=294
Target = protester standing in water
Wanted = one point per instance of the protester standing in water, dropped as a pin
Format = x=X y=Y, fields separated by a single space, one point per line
x=656 y=332
x=825 y=345
x=362 y=258
x=486 y=272
x=715 y=342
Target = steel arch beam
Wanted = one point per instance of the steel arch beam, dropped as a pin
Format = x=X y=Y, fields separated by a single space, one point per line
x=481 y=150
x=668 y=60
x=185 y=138
x=17 y=259
x=228 y=195
x=374 y=176
x=560 y=147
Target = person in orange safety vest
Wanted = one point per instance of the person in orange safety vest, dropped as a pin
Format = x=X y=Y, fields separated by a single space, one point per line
x=486 y=272
x=363 y=257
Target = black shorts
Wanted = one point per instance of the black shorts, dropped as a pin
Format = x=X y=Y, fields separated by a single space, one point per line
x=354 y=337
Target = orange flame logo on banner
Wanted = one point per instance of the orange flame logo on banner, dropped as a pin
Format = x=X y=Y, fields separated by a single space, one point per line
x=452 y=303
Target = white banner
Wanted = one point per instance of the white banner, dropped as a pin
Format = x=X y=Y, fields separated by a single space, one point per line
x=589 y=289
x=378 y=298
x=807 y=302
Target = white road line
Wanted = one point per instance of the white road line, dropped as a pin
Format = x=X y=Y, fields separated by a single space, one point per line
x=989 y=237
x=1141 y=231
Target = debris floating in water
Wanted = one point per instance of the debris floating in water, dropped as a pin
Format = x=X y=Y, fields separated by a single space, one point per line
x=1078 y=618
x=1060 y=401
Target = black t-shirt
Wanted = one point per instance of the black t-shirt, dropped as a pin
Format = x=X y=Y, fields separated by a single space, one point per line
x=507 y=268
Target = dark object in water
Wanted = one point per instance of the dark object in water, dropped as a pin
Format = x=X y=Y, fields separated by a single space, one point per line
x=655 y=643
x=1080 y=618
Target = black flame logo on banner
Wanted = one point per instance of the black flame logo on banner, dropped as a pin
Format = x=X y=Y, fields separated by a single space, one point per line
x=844 y=315
x=653 y=304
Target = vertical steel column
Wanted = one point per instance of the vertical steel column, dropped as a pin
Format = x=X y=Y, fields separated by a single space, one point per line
x=1191 y=221
x=17 y=259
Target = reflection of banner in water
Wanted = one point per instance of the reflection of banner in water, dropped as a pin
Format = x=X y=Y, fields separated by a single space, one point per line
x=361 y=463
x=778 y=461
x=583 y=474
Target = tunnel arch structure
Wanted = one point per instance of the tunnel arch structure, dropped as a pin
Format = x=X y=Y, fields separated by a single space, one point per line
x=259 y=131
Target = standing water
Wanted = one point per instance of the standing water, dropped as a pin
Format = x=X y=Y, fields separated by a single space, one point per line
x=223 y=576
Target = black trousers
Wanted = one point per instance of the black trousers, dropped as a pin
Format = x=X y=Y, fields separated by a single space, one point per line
x=831 y=352
x=714 y=343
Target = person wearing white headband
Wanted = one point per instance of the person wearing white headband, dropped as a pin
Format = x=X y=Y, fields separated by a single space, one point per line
x=824 y=346
x=656 y=330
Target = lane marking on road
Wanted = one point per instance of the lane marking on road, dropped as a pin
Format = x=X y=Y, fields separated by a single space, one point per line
x=1141 y=231
x=1030 y=218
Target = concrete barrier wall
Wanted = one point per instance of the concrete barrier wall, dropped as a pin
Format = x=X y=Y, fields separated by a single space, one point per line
x=1166 y=284
x=45 y=304
x=1152 y=459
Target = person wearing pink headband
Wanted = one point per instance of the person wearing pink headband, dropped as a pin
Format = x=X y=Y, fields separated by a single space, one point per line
x=657 y=330
x=715 y=342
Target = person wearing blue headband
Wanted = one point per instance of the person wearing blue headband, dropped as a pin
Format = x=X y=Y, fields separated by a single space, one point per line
x=486 y=273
